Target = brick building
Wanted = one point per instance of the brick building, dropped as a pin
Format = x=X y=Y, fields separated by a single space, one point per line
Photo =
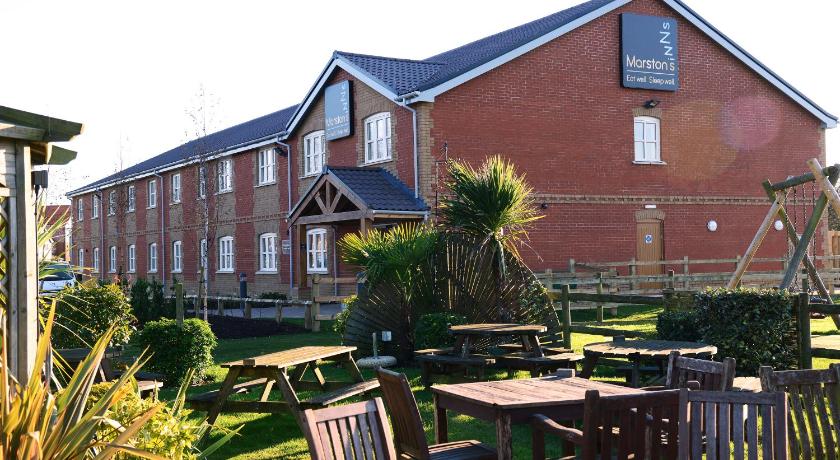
x=644 y=131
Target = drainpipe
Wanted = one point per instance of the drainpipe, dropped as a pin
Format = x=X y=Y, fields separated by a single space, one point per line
x=101 y=235
x=335 y=259
x=403 y=101
x=289 y=227
x=162 y=259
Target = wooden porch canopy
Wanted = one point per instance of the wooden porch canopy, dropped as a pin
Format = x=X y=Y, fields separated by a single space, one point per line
x=40 y=131
x=363 y=194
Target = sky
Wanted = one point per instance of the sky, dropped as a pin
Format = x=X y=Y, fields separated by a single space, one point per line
x=130 y=71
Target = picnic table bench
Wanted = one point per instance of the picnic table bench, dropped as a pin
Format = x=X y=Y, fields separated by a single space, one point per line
x=147 y=382
x=284 y=370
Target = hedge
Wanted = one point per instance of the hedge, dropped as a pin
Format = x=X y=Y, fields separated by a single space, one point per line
x=176 y=350
x=432 y=330
x=86 y=311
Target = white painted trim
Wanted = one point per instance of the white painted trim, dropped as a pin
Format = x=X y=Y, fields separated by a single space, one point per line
x=428 y=95
x=751 y=62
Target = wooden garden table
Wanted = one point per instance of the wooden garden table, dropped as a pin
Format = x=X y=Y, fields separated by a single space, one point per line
x=274 y=369
x=636 y=351
x=466 y=334
x=509 y=402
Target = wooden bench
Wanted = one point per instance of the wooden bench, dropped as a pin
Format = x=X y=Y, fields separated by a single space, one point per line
x=206 y=399
x=537 y=365
x=325 y=399
x=440 y=364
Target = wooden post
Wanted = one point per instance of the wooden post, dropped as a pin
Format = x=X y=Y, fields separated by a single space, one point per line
x=247 y=312
x=572 y=266
x=803 y=329
x=802 y=248
x=687 y=282
x=672 y=284
x=632 y=273
x=23 y=268
x=220 y=308
x=600 y=290
x=315 y=310
x=755 y=243
x=566 y=303
x=825 y=184
x=278 y=311
x=179 y=304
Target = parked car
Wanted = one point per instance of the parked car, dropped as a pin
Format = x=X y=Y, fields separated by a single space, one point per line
x=57 y=278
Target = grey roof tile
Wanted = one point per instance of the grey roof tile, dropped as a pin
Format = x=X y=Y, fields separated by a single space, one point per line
x=379 y=189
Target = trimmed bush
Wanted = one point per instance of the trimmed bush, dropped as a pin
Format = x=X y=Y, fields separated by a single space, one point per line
x=84 y=312
x=176 y=350
x=678 y=325
x=432 y=330
x=756 y=327
x=148 y=302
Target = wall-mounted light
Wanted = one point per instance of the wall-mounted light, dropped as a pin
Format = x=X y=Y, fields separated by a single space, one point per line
x=778 y=225
x=712 y=226
x=651 y=103
x=544 y=206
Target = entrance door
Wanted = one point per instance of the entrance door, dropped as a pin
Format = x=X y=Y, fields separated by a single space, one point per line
x=649 y=248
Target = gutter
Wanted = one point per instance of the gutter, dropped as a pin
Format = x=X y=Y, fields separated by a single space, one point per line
x=162 y=259
x=403 y=101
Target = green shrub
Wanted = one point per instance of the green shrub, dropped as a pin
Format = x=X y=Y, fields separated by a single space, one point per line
x=148 y=302
x=176 y=350
x=432 y=330
x=756 y=327
x=678 y=325
x=272 y=296
x=84 y=312
x=340 y=322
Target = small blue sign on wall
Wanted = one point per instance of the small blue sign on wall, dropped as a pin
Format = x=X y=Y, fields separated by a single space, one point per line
x=649 y=52
x=338 y=119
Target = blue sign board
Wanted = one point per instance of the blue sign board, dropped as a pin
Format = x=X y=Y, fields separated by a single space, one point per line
x=649 y=52
x=338 y=120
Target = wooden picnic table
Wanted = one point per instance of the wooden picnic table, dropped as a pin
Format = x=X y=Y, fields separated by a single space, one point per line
x=285 y=369
x=466 y=334
x=509 y=402
x=147 y=383
x=635 y=351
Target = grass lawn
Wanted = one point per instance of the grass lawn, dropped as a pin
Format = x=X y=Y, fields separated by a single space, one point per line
x=267 y=436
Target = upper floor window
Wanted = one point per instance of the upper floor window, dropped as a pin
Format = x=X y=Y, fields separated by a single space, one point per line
x=153 y=258
x=268 y=252
x=132 y=258
x=176 y=188
x=112 y=259
x=177 y=257
x=202 y=182
x=94 y=208
x=152 y=193
x=266 y=170
x=132 y=198
x=314 y=153
x=646 y=139
x=378 y=138
x=223 y=173
x=96 y=260
x=226 y=254
x=112 y=203
x=80 y=209
x=316 y=251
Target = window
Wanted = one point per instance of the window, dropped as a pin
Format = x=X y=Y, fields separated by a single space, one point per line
x=112 y=259
x=202 y=182
x=81 y=261
x=96 y=260
x=152 y=258
x=132 y=258
x=80 y=210
x=265 y=165
x=112 y=203
x=202 y=254
x=378 y=138
x=268 y=252
x=316 y=251
x=226 y=254
x=223 y=173
x=152 y=193
x=132 y=198
x=314 y=153
x=94 y=212
x=177 y=257
x=646 y=139
x=176 y=188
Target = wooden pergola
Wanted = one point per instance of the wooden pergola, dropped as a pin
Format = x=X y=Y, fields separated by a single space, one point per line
x=25 y=141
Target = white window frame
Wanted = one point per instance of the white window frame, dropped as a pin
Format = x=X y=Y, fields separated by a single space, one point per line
x=153 y=258
x=226 y=249
x=223 y=175
x=132 y=258
x=81 y=260
x=112 y=202
x=266 y=166
x=378 y=148
x=314 y=153
x=314 y=263
x=94 y=207
x=177 y=256
x=80 y=209
x=112 y=259
x=96 y=260
x=176 y=188
x=132 y=198
x=151 y=188
x=268 y=253
x=646 y=150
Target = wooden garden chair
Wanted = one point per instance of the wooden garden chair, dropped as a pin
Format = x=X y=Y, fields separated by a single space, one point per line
x=408 y=426
x=713 y=425
x=814 y=409
x=711 y=375
x=637 y=426
x=353 y=431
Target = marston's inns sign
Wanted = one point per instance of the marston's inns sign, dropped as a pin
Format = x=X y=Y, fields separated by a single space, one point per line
x=649 y=52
